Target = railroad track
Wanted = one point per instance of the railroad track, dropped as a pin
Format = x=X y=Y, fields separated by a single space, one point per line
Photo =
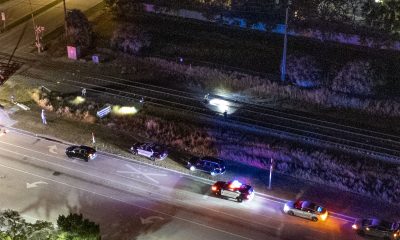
x=283 y=123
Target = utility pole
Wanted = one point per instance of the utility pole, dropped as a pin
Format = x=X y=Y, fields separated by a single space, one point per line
x=283 y=64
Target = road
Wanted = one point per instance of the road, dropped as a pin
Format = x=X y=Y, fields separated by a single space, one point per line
x=135 y=201
x=50 y=19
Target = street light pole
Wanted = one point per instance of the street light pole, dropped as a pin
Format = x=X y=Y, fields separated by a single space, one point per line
x=271 y=167
x=283 y=65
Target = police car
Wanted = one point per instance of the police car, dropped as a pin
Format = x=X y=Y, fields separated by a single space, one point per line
x=234 y=190
x=306 y=209
x=377 y=228
x=150 y=150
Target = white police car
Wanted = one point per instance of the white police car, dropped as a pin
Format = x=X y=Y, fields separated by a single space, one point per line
x=306 y=209
x=234 y=190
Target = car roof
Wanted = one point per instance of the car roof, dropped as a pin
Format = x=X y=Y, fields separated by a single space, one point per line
x=212 y=159
x=87 y=148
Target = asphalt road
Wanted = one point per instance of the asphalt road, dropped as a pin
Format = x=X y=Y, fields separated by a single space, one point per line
x=50 y=20
x=135 y=201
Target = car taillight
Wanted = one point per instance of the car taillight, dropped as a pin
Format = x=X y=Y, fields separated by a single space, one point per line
x=214 y=188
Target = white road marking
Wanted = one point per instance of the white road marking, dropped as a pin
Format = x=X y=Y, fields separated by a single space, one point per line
x=127 y=202
x=34 y=184
x=151 y=219
x=138 y=172
x=53 y=149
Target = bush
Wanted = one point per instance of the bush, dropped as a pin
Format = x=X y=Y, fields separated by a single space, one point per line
x=358 y=77
x=79 y=29
x=303 y=70
x=129 y=39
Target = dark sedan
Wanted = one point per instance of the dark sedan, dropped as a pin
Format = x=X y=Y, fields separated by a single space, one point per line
x=211 y=165
x=82 y=152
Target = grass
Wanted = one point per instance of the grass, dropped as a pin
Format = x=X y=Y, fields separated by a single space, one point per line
x=115 y=134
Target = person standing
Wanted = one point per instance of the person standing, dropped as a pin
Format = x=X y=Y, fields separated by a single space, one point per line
x=43 y=115
x=84 y=92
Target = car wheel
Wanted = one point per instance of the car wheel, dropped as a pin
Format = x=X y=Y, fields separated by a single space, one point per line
x=86 y=159
x=69 y=155
x=239 y=199
x=314 y=219
x=192 y=168
x=134 y=152
x=291 y=213
x=152 y=158
x=213 y=173
x=361 y=232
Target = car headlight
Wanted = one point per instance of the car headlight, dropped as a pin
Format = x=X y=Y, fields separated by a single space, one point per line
x=354 y=226
x=286 y=208
x=367 y=228
x=324 y=216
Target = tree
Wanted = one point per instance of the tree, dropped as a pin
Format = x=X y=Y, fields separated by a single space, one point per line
x=383 y=15
x=14 y=227
x=74 y=226
x=359 y=77
x=129 y=39
x=79 y=30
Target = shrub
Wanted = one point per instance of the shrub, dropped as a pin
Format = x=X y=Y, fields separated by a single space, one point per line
x=129 y=39
x=358 y=77
x=79 y=29
x=304 y=71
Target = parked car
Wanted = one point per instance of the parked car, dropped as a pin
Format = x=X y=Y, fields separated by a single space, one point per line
x=150 y=150
x=234 y=190
x=211 y=165
x=306 y=209
x=377 y=228
x=82 y=152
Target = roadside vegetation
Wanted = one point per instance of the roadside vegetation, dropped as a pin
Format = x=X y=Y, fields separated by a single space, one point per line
x=352 y=84
x=73 y=227
x=351 y=173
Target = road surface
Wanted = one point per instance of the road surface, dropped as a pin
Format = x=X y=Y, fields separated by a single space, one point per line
x=131 y=200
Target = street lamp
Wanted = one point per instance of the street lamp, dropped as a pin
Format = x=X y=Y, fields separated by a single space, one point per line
x=283 y=65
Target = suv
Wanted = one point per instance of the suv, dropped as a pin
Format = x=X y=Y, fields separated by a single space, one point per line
x=379 y=229
x=150 y=150
x=209 y=165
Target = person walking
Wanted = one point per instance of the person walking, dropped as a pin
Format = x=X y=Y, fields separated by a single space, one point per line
x=43 y=115
x=84 y=92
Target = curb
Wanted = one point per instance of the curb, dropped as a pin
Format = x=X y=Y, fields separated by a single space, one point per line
x=268 y=197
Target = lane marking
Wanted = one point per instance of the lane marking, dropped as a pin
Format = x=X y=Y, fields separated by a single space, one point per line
x=265 y=196
x=146 y=175
x=161 y=197
x=126 y=202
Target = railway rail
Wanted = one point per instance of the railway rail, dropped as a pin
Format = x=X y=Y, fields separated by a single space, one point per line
x=282 y=123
